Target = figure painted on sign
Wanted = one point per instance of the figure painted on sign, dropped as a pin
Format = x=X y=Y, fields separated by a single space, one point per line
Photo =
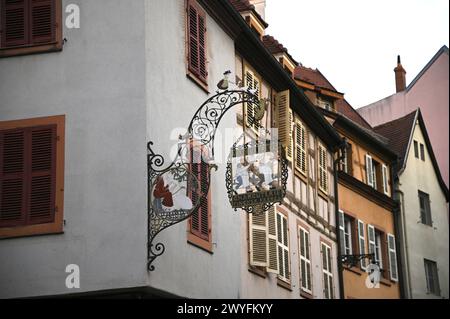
x=169 y=196
x=180 y=200
x=266 y=171
x=242 y=178
x=162 y=194
x=256 y=178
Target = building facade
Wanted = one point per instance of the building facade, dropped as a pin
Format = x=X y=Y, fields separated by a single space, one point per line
x=427 y=91
x=365 y=194
x=75 y=120
x=423 y=197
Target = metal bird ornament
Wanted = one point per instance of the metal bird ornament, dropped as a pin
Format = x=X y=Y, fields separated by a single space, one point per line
x=224 y=83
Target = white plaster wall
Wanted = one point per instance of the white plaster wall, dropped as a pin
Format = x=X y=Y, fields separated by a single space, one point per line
x=424 y=241
x=97 y=82
x=172 y=100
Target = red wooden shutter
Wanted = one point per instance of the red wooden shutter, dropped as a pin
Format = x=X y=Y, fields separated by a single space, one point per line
x=200 y=218
x=197 y=41
x=12 y=178
x=14 y=18
x=42 y=175
x=27 y=176
x=42 y=17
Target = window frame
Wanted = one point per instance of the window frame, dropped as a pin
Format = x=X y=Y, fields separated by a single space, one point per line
x=422 y=152
x=55 y=227
x=416 y=149
x=55 y=45
x=434 y=277
x=426 y=217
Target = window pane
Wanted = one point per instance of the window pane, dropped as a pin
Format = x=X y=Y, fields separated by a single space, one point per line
x=416 y=149
x=422 y=152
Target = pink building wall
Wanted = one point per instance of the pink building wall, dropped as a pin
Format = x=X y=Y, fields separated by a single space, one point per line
x=430 y=93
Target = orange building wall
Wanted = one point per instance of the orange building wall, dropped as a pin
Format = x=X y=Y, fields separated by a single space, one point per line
x=370 y=213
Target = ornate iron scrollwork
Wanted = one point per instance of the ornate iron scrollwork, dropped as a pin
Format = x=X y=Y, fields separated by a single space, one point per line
x=202 y=129
x=352 y=260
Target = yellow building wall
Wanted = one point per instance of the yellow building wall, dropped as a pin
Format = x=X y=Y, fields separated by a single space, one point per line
x=369 y=212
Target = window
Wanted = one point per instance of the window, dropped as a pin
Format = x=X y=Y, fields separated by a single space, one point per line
x=300 y=146
x=432 y=278
x=378 y=249
x=347 y=161
x=347 y=233
x=422 y=152
x=283 y=247
x=305 y=261
x=416 y=149
x=30 y=26
x=323 y=172
x=252 y=82
x=370 y=176
x=425 y=210
x=200 y=221
x=392 y=258
x=31 y=176
x=362 y=243
x=325 y=103
x=327 y=271
x=284 y=122
x=376 y=175
x=196 y=34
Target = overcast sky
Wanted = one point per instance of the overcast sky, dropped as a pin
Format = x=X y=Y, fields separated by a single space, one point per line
x=355 y=43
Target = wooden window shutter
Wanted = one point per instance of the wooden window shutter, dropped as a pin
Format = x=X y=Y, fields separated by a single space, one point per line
x=285 y=120
x=12 y=178
x=385 y=179
x=300 y=146
x=197 y=40
x=272 y=251
x=14 y=22
x=28 y=177
x=371 y=237
x=392 y=257
x=369 y=170
x=342 y=231
x=305 y=262
x=42 y=175
x=200 y=219
x=42 y=17
x=258 y=239
x=323 y=172
x=283 y=247
x=252 y=82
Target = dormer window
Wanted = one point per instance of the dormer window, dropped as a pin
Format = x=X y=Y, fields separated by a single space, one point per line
x=325 y=103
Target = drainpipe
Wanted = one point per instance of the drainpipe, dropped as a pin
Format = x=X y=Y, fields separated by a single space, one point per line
x=397 y=231
x=404 y=243
x=336 y=163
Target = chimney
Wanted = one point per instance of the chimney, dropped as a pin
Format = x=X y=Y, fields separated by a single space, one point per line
x=260 y=7
x=400 y=76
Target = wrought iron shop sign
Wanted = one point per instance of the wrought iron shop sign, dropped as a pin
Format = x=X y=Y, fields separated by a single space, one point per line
x=255 y=178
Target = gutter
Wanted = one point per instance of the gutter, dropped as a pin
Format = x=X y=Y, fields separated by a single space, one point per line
x=336 y=218
x=397 y=231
